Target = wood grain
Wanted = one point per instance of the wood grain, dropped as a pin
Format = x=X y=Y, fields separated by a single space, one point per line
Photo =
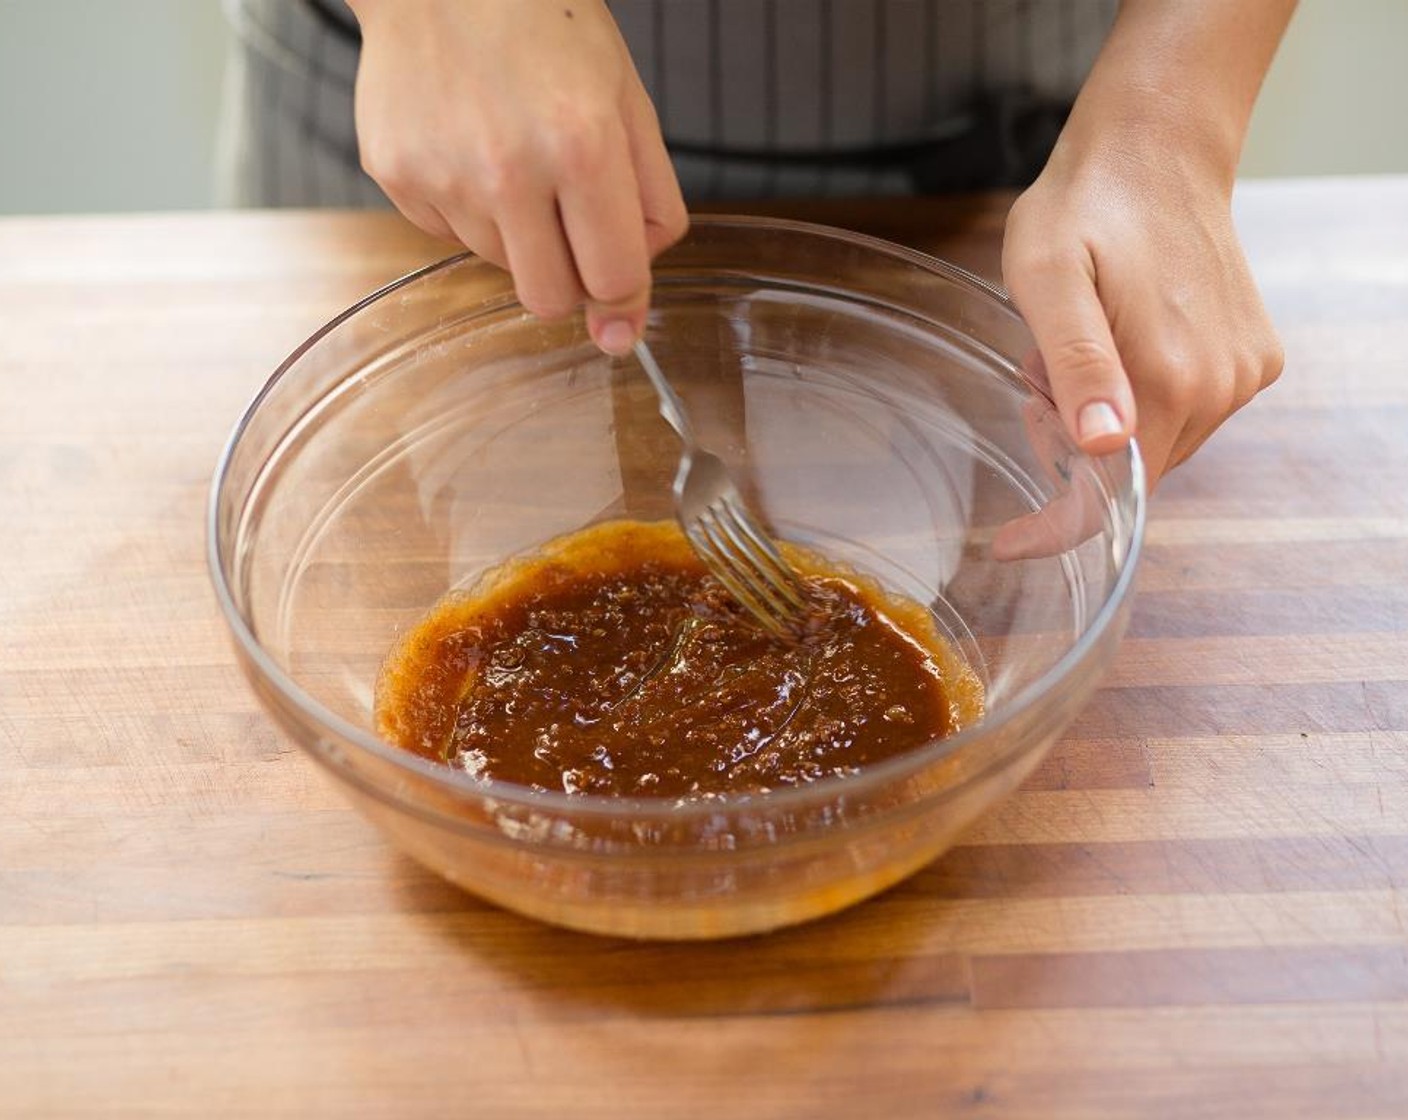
x=1197 y=906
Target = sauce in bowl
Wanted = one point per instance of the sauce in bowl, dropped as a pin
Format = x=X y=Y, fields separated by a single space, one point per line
x=609 y=662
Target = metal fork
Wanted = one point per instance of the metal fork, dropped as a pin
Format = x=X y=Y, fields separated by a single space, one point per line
x=724 y=533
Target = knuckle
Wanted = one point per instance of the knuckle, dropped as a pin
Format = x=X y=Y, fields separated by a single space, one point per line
x=1021 y=261
x=498 y=178
x=1245 y=382
x=547 y=294
x=386 y=165
x=1033 y=255
x=1179 y=386
x=1033 y=267
x=675 y=225
x=1273 y=361
x=400 y=171
x=577 y=143
x=617 y=288
x=546 y=304
x=1081 y=359
x=1017 y=215
x=1258 y=368
x=1222 y=399
x=665 y=225
x=620 y=281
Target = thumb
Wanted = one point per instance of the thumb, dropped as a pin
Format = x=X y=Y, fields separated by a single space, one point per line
x=1059 y=301
x=616 y=326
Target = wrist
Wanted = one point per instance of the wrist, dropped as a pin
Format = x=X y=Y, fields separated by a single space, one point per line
x=380 y=11
x=369 y=11
x=364 y=8
x=1174 y=85
x=1153 y=131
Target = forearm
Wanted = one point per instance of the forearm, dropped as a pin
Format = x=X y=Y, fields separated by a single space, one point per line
x=366 y=10
x=1181 y=75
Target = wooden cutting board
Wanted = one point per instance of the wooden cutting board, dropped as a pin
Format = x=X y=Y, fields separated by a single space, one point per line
x=1195 y=908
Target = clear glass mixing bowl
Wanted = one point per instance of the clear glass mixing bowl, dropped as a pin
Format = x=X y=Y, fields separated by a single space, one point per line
x=873 y=401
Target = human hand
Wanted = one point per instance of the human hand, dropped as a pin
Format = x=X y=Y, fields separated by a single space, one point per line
x=522 y=131
x=1123 y=259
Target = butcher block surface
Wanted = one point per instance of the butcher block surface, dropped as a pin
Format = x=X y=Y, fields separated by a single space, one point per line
x=1197 y=906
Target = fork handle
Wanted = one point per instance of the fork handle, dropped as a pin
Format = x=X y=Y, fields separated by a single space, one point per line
x=671 y=407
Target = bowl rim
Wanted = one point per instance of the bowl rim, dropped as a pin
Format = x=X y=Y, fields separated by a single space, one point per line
x=597 y=805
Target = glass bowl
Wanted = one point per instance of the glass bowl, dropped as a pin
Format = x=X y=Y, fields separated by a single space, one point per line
x=871 y=399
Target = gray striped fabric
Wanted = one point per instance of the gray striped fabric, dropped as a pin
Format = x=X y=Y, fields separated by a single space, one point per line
x=822 y=84
x=287 y=136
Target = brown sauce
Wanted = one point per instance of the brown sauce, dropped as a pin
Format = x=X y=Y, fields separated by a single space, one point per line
x=609 y=662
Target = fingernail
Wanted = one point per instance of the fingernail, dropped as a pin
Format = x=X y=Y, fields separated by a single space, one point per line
x=1096 y=420
x=616 y=336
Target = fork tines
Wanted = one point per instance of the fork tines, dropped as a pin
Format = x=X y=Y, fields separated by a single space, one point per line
x=748 y=565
